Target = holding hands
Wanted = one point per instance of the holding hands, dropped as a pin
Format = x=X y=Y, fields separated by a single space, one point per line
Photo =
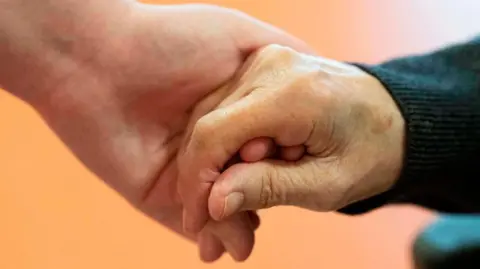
x=331 y=133
x=195 y=118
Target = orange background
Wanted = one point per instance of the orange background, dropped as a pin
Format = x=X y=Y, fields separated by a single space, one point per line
x=56 y=215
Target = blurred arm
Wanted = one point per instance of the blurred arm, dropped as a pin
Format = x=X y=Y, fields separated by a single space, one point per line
x=43 y=42
x=439 y=96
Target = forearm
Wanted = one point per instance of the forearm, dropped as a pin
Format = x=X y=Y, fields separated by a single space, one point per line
x=42 y=42
x=439 y=95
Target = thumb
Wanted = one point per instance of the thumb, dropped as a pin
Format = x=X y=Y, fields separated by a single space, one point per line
x=253 y=186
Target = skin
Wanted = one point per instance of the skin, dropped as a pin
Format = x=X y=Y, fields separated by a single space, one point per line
x=118 y=80
x=345 y=120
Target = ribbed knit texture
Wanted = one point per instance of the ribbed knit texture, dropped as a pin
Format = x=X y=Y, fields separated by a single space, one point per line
x=439 y=97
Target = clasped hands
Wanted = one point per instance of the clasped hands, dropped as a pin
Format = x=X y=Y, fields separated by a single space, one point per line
x=289 y=129
x=197 y=120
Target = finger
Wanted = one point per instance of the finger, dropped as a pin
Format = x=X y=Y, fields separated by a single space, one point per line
x=293 y=153
x=219 y=135
x=257 y=149
x=236 y=234
x=254 y=150
x=234 y=160
x=211 y=248
x=269 y=183
x=254 y=219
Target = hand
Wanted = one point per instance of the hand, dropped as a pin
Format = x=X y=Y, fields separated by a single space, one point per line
x=346 y=122
x=122 y=106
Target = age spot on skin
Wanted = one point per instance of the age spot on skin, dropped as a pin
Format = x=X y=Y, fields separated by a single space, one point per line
x=372 y=118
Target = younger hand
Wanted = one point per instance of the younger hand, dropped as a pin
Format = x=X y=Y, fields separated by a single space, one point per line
x=119 y=93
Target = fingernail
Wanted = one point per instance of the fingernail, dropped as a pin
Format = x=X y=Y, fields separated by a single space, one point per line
x=233 y=203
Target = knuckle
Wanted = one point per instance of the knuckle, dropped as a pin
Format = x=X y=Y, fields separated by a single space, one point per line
x=201 y=135
x=265 y=192
x=304 y=82
x=274 y=54
x=300 y=86
x=276 y=49
x=307 y=94
x=269 y=193
x=298 y=94
x=203 y=129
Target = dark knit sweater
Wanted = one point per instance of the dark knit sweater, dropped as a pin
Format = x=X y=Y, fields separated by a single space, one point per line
x=439 y=96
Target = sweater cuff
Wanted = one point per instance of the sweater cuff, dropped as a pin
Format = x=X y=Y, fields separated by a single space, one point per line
x=442 y=123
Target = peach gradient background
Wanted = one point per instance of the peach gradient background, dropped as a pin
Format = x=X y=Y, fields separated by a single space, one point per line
x=56 y=215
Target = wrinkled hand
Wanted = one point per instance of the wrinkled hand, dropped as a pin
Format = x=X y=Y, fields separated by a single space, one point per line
x=123 y=111
x=344 y=119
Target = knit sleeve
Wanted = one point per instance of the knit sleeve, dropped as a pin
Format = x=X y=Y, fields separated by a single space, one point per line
x=439 y=97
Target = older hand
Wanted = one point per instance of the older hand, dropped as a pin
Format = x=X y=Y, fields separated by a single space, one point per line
x=345 y=120
x=120 y=93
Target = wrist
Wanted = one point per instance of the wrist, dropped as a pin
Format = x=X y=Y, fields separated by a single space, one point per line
x=57 y=42
x=394 y=147
x=382 y=152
